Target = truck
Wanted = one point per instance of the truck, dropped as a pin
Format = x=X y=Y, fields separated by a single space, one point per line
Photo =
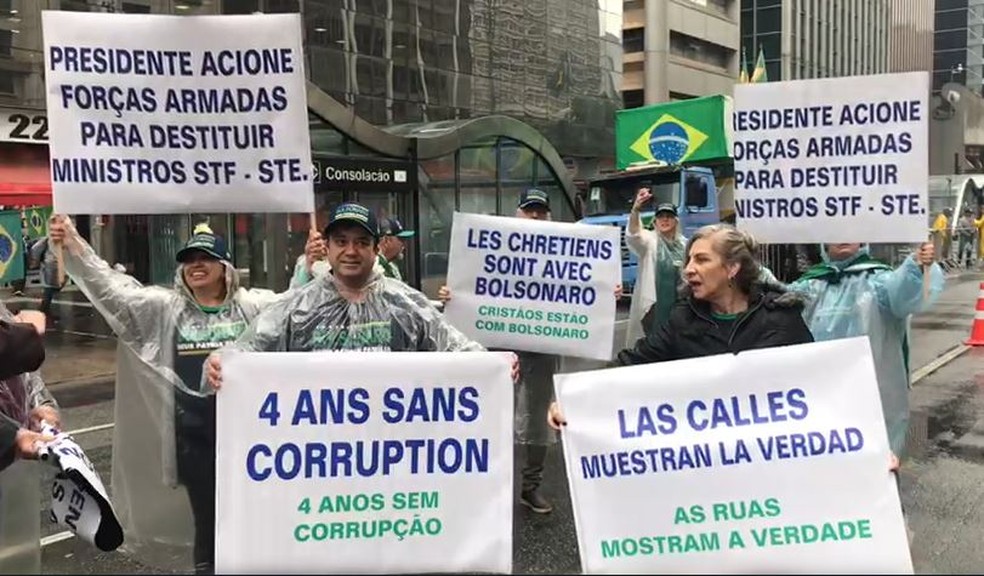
x=682 y=152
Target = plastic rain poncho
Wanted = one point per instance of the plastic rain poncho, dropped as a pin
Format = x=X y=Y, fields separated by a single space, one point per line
x=389 y=316
x=860 y=296
x=164 y=336
x=20 y=492
x=660 y=262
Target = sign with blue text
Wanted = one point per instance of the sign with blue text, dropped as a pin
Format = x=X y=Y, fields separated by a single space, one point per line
x=176 y=114
x=769 y=461
x=833 y=159
x=532 y=285
x=365 y=462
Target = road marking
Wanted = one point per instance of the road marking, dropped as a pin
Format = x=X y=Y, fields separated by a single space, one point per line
x=26 y=300
x=56 y=538
x=938 y=363
x=91 y=429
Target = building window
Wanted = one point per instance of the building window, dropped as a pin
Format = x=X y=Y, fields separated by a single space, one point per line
x=634 y=40
x=699 y=50
x=6 y=82
x=6 y=42
x=633 y=98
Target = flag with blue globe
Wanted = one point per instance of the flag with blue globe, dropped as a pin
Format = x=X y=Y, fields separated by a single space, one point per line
x=11 y=247
x=669 y=140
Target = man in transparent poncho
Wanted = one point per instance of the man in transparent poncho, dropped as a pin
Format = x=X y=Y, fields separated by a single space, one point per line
x=354 y=308
x=165 y=423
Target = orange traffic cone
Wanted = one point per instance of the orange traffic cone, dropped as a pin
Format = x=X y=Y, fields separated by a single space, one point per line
x=977 y=330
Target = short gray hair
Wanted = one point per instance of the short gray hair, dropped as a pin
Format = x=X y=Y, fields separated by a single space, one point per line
x=734 y=247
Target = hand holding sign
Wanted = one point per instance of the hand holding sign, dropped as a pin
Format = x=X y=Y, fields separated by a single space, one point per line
x=27 y=443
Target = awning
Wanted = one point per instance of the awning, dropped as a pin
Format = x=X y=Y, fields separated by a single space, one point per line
x=14 y=195
x=25 y=177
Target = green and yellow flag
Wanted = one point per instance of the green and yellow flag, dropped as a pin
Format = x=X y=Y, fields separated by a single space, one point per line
x=11 y=247
x=36 y=221
x=759 y=74
x=743 y=73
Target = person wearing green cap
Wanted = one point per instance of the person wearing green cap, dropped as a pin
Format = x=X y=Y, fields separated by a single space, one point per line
x=165 y=421
x=354 y=308
x=392 y=242
x=661 y=256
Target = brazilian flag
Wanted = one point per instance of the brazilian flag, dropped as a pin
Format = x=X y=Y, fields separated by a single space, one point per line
x=36 y=221
x=11 y=247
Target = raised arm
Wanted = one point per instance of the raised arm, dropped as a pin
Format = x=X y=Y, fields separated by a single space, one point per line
x=112 y=293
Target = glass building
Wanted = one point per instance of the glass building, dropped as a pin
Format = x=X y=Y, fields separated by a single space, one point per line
x=958 y=44
x=475 y=99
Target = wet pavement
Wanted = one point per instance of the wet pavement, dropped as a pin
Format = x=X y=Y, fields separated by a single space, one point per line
x=941 y=476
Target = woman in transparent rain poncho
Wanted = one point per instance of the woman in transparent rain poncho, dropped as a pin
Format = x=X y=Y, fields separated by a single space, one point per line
x=165 y=424
x=25 y=400
x=661 y=254
x=850 y=294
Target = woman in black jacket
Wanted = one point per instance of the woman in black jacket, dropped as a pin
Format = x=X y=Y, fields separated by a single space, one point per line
x=725 y=307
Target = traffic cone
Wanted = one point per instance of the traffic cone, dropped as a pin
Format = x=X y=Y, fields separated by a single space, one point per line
x=977 y=330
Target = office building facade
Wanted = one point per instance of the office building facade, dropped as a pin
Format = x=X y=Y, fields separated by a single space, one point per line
x=958 y=47
x=818 y=38
x=677 y=49
x=480 y=99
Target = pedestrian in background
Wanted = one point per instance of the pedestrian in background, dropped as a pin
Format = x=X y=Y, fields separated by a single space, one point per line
x=47 y=261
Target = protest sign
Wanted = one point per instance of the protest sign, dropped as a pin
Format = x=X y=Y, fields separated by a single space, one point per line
x=773 y=460
x=78 y=498
x=532 y=285
x=833 y=159
x=365 y=462
x=158 y=114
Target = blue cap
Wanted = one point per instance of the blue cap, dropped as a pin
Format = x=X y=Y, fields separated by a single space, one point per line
x=534 y=197
x=204 y=240
x=353 y=214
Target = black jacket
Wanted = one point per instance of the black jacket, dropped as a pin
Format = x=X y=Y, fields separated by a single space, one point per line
x=774 y=318
x=21 y=349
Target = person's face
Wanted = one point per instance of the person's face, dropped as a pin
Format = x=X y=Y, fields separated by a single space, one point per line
x=665 y=223
x=534 y=212
x=706 y=272
x=842 y=251
x=202 y=271
x=351 y=253
x=392 y=247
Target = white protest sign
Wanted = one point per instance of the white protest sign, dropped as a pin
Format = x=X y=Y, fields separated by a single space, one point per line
x=171 y=114
x=834 y=159
x=78 y=497
x=532 y=285
x=773 y=460
x=365 y=462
